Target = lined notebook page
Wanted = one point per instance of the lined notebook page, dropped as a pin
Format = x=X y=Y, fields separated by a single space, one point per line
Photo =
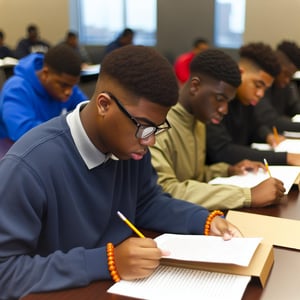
x=181 y=283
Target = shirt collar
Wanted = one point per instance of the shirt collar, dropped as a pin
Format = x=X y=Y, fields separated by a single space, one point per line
x=89 y=153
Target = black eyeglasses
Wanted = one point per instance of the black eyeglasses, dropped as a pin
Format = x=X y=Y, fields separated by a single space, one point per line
x=143 y=131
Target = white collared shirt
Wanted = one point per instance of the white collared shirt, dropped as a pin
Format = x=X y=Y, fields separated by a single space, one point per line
x=92 y=156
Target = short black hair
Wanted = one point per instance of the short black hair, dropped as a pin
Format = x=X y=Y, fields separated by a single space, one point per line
x=217 y=65
x=291 y=50
x=32 y=28
x=63 y=59
x=198 y=41
x=1 y=34
x=127 y=32
x=263 y=56
x=71 y=34
x=142 y=71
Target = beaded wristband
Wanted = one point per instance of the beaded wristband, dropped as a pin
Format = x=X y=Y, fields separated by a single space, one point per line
x=209 y=220
x=111 y=262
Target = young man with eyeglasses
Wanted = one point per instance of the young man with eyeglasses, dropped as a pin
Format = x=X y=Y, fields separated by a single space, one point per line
x=230 y=140
x=179 y=154
x=63 y=183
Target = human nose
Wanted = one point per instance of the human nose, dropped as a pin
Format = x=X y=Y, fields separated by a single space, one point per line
x=68 y=92
x=223 y=108
x=260 y=93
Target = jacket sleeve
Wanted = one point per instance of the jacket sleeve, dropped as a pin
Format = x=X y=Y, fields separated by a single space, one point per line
x=18 y=113
x=23 y=272
x=192 y=190
x=267 y=115
x=293 y=100
x=220 y=148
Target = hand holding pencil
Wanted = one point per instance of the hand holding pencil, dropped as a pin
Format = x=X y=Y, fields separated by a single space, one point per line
x=136 y=257
x=274 y=138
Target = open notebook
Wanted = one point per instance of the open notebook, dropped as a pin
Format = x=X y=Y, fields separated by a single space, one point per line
x=177 y=282
x=287 y=174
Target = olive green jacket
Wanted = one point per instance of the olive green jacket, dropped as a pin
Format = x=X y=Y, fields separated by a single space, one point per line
x=179 y=159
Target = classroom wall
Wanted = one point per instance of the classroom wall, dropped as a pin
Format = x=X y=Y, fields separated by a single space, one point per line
x=52 y=18
x=272 y=21
x=179 y=22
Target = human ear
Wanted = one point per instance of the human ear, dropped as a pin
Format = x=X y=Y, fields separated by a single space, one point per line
x=103 y=103
x=195 y=82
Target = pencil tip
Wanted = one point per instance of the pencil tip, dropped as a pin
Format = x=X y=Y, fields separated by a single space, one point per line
x=120 y=215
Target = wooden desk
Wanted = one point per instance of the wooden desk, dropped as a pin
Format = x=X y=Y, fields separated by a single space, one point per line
x=282 y=283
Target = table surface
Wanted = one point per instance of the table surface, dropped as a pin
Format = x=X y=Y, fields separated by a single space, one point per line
x=282 y=282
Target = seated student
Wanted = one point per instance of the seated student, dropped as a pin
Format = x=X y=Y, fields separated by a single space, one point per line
x=71 y=39
x=230 y=140
x=63 y=183
x=5 y=51
x=179 y=154
x=125 y=38
x=282 y=100
x=182 y=62
x=32 y=43
x=42 y=87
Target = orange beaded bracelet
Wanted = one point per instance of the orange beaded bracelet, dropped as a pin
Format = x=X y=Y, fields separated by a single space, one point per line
x=111 y=263
x=210 y=218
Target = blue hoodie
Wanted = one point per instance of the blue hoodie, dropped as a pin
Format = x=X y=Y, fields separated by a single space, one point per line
x=25 y=103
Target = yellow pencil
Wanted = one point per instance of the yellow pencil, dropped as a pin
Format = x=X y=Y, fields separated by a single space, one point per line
x=267 y=167
x=275 y=132
x=123 y=218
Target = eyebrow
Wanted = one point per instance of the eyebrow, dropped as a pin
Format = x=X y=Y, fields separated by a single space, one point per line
x=222 y=94
x=261 y=82
x=147 y=121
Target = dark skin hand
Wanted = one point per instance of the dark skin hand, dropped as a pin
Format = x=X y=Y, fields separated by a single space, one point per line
x=245 y=166
x=270 y=191
x=139 y=257
x=273 y=140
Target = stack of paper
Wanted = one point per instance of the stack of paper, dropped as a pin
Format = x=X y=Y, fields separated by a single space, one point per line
x=8 y=62
x=287 y=174
x=176 y=282
x=288 y=145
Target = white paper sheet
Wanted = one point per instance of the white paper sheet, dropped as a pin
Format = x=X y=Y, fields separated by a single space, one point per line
x=181 y=283
x=287 y=174
x=203 y=248
x=296 y=118
x=288 y=145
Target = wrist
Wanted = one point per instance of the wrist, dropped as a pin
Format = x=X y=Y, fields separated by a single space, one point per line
x=209 y=219
x=111 y=263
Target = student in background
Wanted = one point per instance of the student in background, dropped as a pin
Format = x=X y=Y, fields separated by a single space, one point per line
x=63 y=183
x=282 y=100
x=179 y=154
x=230 y=140
x=125 y=38
x=42 y=87
x=32 y=43
x=71 y=39
x=182 y=63
x=5 y=51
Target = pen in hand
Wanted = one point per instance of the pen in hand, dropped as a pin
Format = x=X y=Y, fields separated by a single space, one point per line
x=123 y=218
x=267 y=167
x=276 y=136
